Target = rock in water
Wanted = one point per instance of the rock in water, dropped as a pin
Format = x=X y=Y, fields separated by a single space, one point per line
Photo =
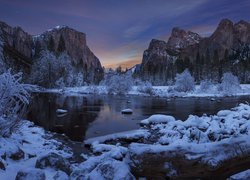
x=61 y=111
x=127 y=111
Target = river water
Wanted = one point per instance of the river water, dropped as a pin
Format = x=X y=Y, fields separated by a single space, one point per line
x=93 y=115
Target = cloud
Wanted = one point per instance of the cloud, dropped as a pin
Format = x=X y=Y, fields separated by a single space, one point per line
x=135 y=31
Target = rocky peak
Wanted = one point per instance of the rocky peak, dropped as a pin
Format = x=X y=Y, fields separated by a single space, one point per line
x=180 y=38
x=223 y=33
x=242 y=31
x=225 y=24
x=157 y=44
x=74 y=42
x=17 y=39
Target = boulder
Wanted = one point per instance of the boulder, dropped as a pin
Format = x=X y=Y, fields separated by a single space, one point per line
x=54 y=161
x=30 y=174
x=127 y=111
x=60 y=175
x=2 y=166
x=17 y=155
x=105 y=169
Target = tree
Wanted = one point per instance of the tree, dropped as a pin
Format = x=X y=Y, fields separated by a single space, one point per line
x=51 y=44
x=48 y=69
x=61 y=45
x=118 y=83
x=119 y=69
x=184 y=82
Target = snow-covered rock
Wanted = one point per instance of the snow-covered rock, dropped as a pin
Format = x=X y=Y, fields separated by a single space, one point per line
x=31 y=174
x=111 y=169
x=55 y=161
x=2 y=166
x=127 y=111
x=129 y=135
x=158 y=118
x=241 y=175
x=60 y=175
x=61 y=111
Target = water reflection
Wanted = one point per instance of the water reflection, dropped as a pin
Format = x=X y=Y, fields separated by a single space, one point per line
x=90 y=116
x=74 y=124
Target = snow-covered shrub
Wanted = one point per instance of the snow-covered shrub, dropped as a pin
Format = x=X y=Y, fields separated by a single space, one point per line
x=14 y=97
x=184 y=82
x=119 y=83
x=229 y=84
x=145 y=87
x=206 y=86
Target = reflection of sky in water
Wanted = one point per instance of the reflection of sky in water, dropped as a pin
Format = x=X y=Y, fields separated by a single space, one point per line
x=92 y=116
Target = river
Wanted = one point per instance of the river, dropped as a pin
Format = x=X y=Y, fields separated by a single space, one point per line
x=94 y=115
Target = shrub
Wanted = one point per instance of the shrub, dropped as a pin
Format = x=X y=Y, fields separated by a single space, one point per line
x=229 y=84
x=14 y=98
x=184 y=82
x=146 y=88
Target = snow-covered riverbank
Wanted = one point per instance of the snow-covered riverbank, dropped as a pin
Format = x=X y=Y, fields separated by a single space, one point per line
x=213 y=141
x=157 y=91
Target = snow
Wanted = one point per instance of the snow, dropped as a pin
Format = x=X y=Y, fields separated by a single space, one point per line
x=157 y=91
x=61 y=111
x=134 y=134
x=241 y=175
x=30 y=139
x=158 y=118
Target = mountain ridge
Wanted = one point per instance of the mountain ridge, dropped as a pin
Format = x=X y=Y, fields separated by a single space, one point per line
x=206 y=58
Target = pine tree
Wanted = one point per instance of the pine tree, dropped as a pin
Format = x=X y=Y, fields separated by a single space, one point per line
x=61 y=45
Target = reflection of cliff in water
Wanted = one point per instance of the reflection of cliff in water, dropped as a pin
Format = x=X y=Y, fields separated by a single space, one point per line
x=81 y=112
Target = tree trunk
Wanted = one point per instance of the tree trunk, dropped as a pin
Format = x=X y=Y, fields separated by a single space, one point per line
x=219 y=162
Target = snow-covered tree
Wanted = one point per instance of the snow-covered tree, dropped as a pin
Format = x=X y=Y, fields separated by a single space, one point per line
x=229 y=83
x=145 y=87
x=48 y=69
x=206 y=85
x=14 y=97
x=184 y=82
x=118 y=83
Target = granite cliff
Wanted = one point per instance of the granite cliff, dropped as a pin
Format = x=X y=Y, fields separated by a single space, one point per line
x=227 y=49
x=19 y=50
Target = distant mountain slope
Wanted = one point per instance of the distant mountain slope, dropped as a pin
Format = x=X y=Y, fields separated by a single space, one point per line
x=227 y=49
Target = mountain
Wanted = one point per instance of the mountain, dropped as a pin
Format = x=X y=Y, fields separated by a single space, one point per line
x=19 y=50
x=227 y=49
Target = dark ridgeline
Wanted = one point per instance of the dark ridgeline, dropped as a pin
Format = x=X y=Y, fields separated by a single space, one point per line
x=227 y=49
x=20 y=49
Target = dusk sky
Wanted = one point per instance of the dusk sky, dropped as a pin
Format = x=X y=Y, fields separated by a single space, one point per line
x=120 y=30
